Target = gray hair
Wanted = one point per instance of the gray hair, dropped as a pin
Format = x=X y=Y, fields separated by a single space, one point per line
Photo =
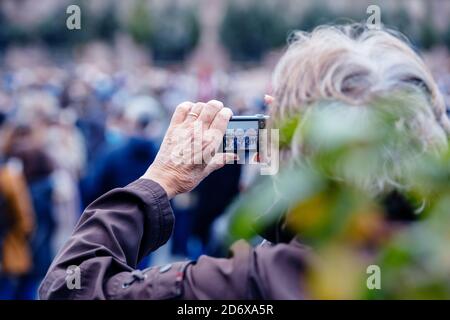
x=355 y=66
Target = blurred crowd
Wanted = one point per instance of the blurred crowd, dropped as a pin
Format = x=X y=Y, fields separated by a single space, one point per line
x=75 y=125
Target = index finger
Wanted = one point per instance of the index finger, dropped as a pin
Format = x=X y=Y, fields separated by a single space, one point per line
x=209 y=112
x=181 y=112
x=221 y=120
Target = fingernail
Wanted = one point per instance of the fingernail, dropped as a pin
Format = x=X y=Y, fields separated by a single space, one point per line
x=228 y=110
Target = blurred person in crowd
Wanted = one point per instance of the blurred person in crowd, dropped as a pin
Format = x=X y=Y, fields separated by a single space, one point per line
x=178 y=86
x=22 y=144
x=212 y=204
x=55 y=135
x=142 y=121
x=350 y=64
x=90 y=115
x=50 y=149
x=65 y=146
x=16 y=228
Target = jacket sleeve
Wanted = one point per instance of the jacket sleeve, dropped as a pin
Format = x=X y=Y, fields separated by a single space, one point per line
x=16 y=250
x=113 y=234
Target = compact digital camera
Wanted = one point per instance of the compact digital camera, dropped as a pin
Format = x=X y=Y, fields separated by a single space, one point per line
x=242 y=135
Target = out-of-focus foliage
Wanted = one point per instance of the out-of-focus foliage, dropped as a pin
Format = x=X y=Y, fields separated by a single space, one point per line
x=52 y=29
x=365 y=192
x=447 y=36
x=139 y=24
x=400 y=20
x=171 y=32
x=429 y=36
x=9 y=31
x=251 y=29
x=314 y=16
x=176 y=32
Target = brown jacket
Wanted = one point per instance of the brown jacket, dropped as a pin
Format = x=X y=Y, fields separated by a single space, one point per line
x=16 y=253
x=124 y=225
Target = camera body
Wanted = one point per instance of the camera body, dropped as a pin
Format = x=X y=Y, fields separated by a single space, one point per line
x=242 y=135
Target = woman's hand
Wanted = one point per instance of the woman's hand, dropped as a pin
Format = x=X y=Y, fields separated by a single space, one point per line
x=188 y=152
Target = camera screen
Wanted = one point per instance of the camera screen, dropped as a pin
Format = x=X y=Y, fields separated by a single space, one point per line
x=241 y=136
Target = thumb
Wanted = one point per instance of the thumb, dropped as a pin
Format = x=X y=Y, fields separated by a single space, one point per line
x=268 y=99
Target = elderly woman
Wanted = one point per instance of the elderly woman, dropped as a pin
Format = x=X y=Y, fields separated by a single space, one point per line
x=347 y=64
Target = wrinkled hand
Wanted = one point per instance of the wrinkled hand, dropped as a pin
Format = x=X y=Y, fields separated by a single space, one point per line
x=188 y=152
